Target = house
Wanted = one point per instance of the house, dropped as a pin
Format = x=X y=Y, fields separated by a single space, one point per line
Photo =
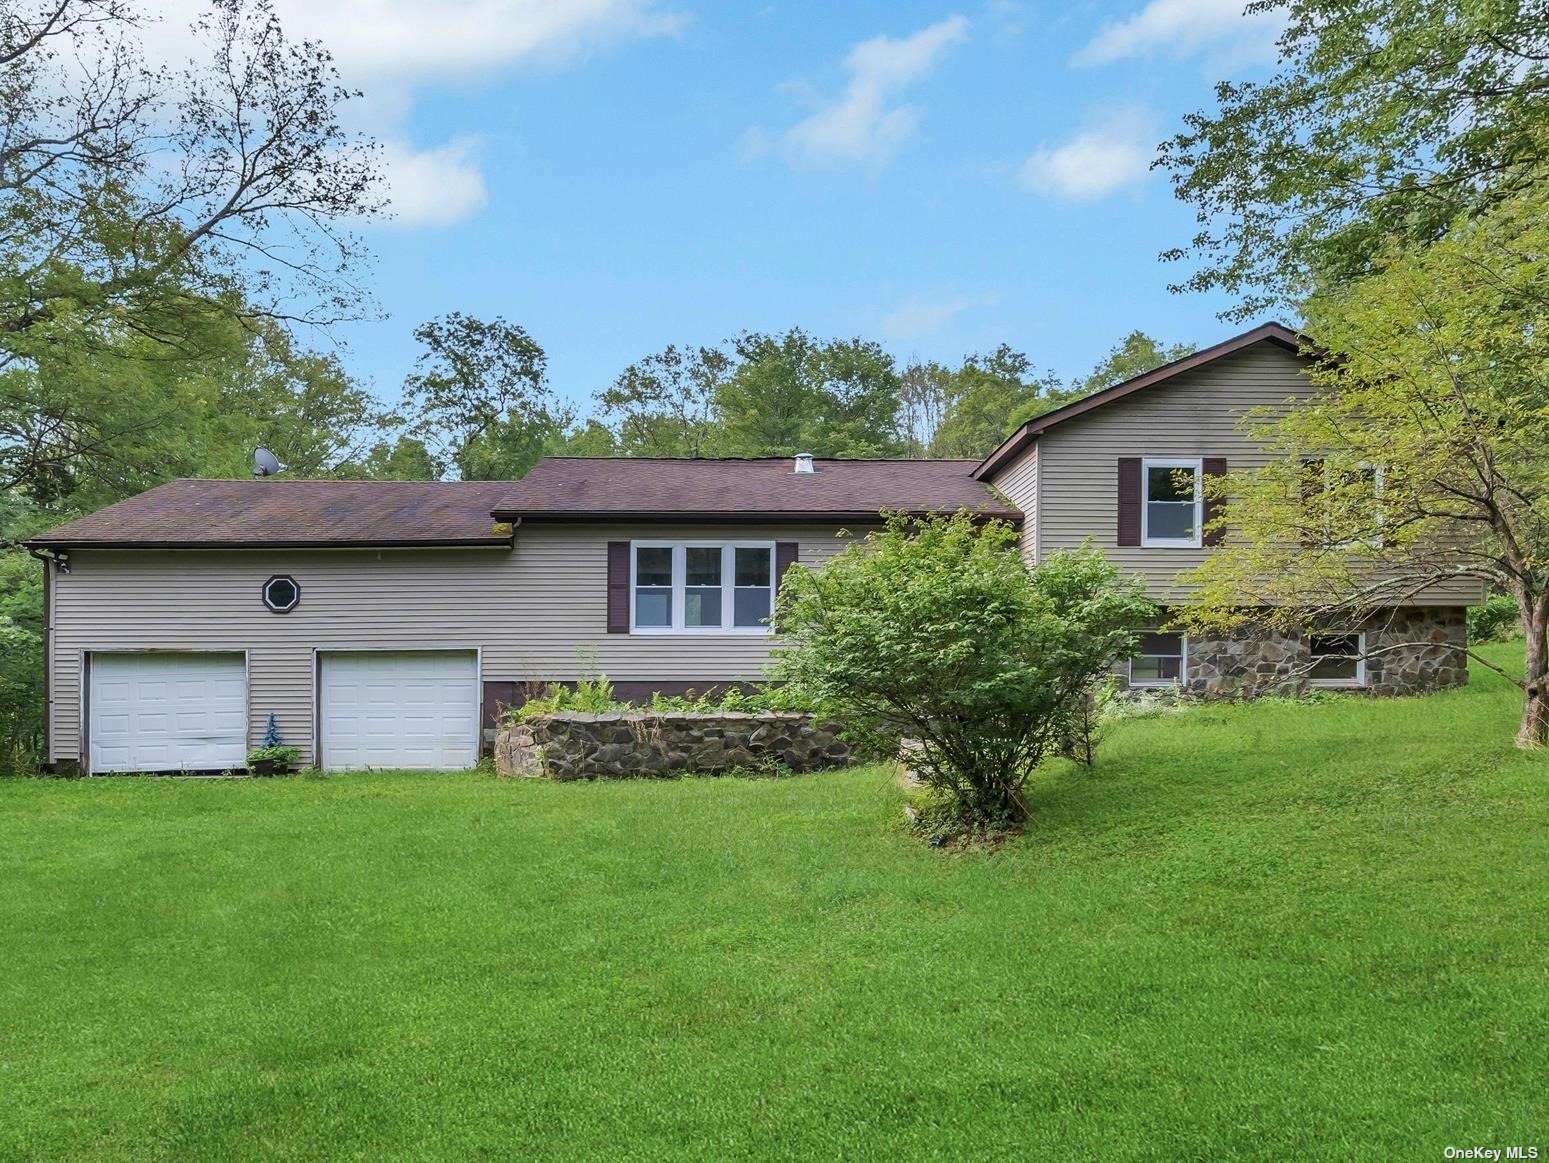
x=385 y=623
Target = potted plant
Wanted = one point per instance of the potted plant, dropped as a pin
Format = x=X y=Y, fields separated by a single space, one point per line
x=276 y=760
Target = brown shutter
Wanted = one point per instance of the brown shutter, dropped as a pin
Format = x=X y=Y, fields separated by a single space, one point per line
x=618 y=587
x=1215 y=466
x=1129 y=500
x=786 y=555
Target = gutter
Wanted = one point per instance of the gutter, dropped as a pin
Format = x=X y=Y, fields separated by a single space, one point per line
x=436 y=543
x=710 y=517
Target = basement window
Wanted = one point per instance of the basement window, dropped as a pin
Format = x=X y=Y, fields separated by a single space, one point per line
x=1162 y=661
x=1338 y=660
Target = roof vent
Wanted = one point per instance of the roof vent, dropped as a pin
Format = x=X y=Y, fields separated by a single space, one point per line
x=804 y=462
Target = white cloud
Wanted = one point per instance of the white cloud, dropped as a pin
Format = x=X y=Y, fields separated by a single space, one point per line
x=391 y=48
x=1181 y=27
x=1095 y=162
x=862 y=123
x=433 y=187
x=916 y=318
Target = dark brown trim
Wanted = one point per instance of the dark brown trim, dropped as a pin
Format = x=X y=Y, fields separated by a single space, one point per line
x=617 y=592
x=438 y=543
x=1129 y=501
x=737 y=517
x=787 y=554
x=1212 y=467
x=1276 y=333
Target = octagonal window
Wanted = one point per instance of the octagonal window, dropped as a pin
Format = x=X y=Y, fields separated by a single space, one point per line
x=281 y=594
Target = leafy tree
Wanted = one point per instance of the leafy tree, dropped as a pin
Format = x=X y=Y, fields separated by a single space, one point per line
x=1387 y=120
x=1134 y=355
x=935 y=639
x=404 y=458
x=925 y=395
x=302 y=405
x=792 y=393
x=593 y=438
x=1420 y=458
x=665 y=404
x=988 y=393
x=134 y=196
x=479 y=396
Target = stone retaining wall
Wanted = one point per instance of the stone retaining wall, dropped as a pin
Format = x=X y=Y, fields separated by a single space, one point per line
x=576 y=745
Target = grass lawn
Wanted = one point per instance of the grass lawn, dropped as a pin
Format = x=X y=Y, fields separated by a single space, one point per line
x=1274 y=930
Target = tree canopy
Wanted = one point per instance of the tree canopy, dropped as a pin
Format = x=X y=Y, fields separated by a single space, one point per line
x=1386 y=121
x=1419 y=461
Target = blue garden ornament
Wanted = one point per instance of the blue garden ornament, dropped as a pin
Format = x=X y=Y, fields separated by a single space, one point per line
x=272 y=732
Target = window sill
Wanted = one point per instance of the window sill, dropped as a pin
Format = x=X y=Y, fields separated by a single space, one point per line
x=702 y=632
x=1171 y=544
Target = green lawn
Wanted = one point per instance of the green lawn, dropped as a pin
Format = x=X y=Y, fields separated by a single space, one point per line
x=1268 y=931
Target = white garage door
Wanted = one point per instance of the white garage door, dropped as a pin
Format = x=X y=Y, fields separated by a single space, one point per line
x=167 y=712
x=410 y=709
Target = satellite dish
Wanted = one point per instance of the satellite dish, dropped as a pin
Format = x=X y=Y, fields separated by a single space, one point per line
x=265 y=464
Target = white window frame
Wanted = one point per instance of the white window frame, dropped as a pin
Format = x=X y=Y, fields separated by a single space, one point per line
x=1360 y=661
x=1172 y=462
x=729 y=587
x=1377 y=539
x=1162 y=683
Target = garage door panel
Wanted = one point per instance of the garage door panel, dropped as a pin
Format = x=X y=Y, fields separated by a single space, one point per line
x=399 y=709
x=167 y=712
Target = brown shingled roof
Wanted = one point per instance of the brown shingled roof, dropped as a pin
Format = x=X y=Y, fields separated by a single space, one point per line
x=578 y=488
x=279 y=513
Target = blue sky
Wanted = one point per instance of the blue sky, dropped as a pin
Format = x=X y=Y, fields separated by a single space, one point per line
x=616 y=175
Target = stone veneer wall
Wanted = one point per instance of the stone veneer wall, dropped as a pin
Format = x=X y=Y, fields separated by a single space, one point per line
x=1427 y=654
x=576 y=745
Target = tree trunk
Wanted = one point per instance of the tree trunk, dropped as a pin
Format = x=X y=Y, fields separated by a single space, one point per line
x=1534 y=731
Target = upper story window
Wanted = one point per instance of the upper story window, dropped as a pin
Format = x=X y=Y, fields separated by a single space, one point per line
x=1173 y=502
x=697 y=587
x=1352 y=494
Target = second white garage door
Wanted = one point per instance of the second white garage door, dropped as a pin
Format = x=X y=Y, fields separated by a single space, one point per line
x=415 y=709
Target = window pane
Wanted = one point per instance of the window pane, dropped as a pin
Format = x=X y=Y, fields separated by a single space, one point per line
x=1335 y=657
x=1172 y=520
x=653 y=607
x=751 y=606
x=1170 y=484
x=752 y=567
x=653 y=566
x=701 y=606
x=704 y=565
x=1154 y=668
x=1156 y=643
x=1158 y=660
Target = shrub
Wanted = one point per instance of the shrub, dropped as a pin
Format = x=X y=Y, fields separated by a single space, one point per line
x=282 y=758
x=1495 y=620
x=934 y=636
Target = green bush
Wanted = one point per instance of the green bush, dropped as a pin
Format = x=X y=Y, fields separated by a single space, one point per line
x=283 y=758
x=595 y=696
x=933 y=637
x=1496 y=620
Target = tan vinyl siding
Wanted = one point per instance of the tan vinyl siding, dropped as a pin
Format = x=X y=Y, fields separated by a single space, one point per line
x=1196 y=414
x=537 y=612
x=1019 y=484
